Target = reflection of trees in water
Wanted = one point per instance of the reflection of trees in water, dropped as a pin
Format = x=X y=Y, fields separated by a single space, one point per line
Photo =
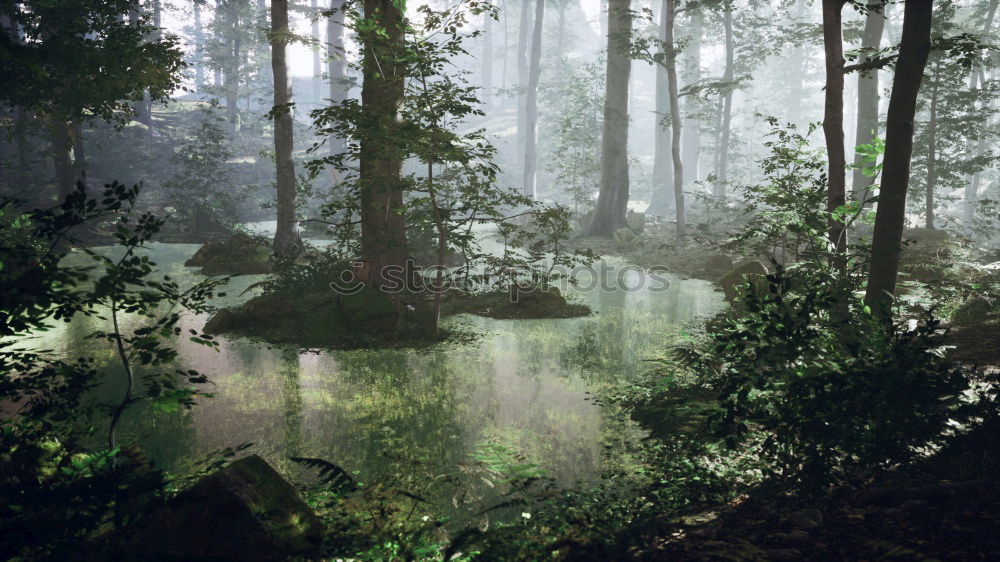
x=291 y=402
x=404 y=411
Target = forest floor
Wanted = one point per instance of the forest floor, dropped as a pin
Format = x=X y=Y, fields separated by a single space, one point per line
x=936 y=510
x=945 y=507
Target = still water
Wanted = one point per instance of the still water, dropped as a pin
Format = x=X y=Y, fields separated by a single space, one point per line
x=524 y=385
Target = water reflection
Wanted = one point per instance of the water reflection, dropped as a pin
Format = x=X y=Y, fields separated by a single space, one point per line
x=523 y=385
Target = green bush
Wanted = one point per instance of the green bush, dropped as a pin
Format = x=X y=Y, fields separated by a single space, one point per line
x=834 y=393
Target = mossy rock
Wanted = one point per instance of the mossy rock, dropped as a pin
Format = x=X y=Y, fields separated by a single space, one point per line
x=240 y=254
x=367 y=305
x=624 y=238
x=245 y=511
x=718 y=265
x=974 y=311
x=751 y=271
x=525 y=305
x=636 y=221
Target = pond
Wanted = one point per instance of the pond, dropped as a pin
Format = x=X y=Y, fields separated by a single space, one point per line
x=524 y=385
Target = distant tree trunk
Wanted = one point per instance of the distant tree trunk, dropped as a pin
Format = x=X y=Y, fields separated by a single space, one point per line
x=612 y=200
x=975 y=148
x=531 y=103
x=691 y=137
x=199 y=49
x=487 y=78
x=868 y=98
x=522 y=76
x=890 y=218
x=561 y=31
x=604 y=16
x=661 y=193
x=728 y=77
x=931 y=159
x=286 y=237
x=79 y=150
x=506 y=44
x=317 y=77
x=833 y=119
x=675 y=122
x=60 y=135
x=232 y=73
x=383 y=234
x=800 y=58
x=336 y=68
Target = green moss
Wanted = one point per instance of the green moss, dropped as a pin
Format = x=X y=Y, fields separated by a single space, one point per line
x=530 y=305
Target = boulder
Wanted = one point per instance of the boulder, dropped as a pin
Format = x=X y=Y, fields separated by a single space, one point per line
x=718 y=264
x=624 y=237
x=636 y=221
x=551 y=296
x=245 y=511
x=367 y=305
x=973 y=311
x=752 y=271
x=240 y=254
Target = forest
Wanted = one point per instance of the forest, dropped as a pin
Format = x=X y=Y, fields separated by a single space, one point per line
x=499 y=280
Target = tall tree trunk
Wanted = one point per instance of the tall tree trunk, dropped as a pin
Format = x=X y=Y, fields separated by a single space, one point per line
x=317 y=77
x=604 y=16
x=727 y=103
x=612 y=200
x=561 y=31
x=383 y=234
x=232 y=73
x=799 y=57
x=833 y=119
x=691 y=138
x=79 y=150
x=975 y=148
x=199 y=49
x=868 y=98
x=487 y=76
x=506 y=44
x=531 y=103
x=522 y=76
x=675 y=122
x=336 y=68
x=890 y=218
x=60 y=136
x=663 y=168
x=931 y=159
x=286 y=237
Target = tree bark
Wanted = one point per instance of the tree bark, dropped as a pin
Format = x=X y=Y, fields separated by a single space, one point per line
x=487 y=74
x=612 y=200
x=79 y=150
x=60 y=136
x=531 y=103
x=286 y=237
x=727 y=103
x=317 y=77
x=662 y=194
x=799 y=57
x=890 y=218
x=336 y=66
x=522 y=76
x=199 y=49
x=833 y=119
x=868 y=98
x=383 y=233
x=975 y=148
x=691 y=137
x=676 y=125
x=931 y=160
